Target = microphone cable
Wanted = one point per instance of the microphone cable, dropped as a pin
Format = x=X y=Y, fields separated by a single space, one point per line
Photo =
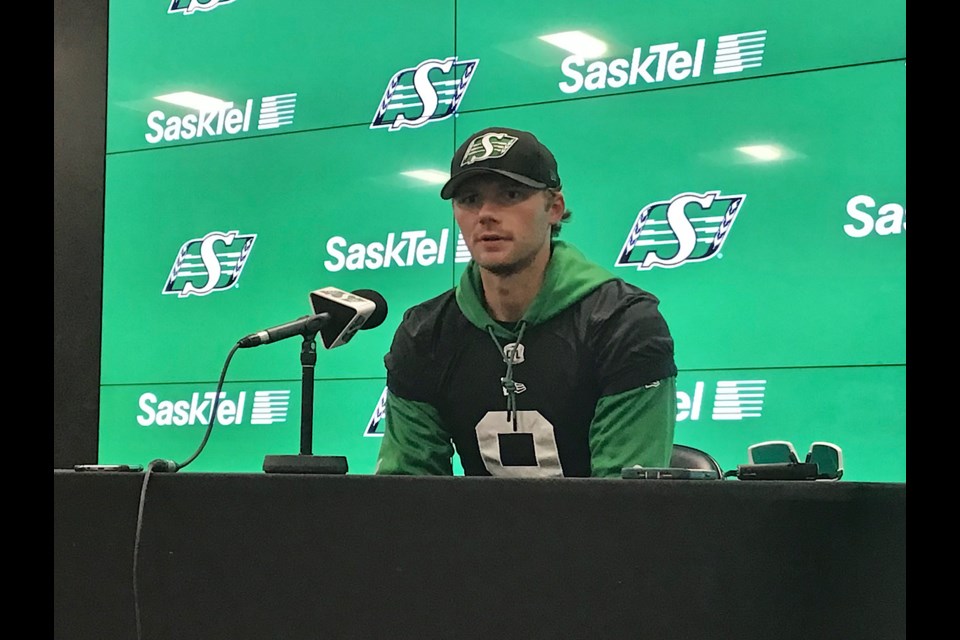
x=170 y=466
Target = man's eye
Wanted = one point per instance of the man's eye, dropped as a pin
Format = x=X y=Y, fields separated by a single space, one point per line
x=514 y=194
x=467 y=199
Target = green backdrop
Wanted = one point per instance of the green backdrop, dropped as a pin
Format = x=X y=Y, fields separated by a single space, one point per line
x=789 y=314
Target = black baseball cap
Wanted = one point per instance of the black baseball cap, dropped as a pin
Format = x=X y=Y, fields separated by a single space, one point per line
x=512 y=153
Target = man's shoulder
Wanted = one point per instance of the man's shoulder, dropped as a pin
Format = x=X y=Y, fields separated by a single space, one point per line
x=623 y=325
x=615 y=294
x=426 y=329
x=425 y=317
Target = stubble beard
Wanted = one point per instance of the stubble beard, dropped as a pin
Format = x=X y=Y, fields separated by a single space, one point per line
x=503 y=269
x=510 y=268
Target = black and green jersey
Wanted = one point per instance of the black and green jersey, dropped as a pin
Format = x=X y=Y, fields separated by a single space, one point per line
x=583 y=385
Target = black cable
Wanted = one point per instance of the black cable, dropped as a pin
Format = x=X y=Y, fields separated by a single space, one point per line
x=170 y=466
x=136 y=547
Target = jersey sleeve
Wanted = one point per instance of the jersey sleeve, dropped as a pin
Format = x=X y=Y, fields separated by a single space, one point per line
x=414 y=443
x=414 y=439
x=634 y=427
x=629 y=338
x=633 y=349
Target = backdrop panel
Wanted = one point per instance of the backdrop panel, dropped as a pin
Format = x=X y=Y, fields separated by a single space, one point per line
x=596 y=49
x=745 y=162
x=276 y=68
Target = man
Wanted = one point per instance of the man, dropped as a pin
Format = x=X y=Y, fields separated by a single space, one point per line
x=539 y=363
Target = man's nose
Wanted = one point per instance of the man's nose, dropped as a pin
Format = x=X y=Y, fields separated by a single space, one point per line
x=488 y=211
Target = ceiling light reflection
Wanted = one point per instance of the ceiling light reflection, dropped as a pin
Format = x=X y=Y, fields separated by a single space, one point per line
x=431 y=176
x=762 y=152
x=577 y=43
x=196 y=101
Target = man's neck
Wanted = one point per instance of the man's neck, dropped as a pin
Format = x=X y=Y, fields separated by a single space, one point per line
x=508 y=296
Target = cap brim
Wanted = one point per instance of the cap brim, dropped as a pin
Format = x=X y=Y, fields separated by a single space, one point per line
x=451 y=186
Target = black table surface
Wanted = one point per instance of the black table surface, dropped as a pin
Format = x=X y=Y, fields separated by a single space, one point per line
x=289 y=556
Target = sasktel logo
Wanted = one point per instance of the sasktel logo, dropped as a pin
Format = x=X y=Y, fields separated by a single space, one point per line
x=400 y=248
x=690 y=227
x=732 y=400
x=267 y=407
x=211 y=263
x=734 y=53
x=885 y=220
x=225 y=120
x=186 y=7
x=428 y=92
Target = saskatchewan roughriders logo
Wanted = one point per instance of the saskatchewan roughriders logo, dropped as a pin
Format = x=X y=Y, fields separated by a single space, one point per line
x=487 y=146
x=690 y=227
x=211 y=263
x=429 y=92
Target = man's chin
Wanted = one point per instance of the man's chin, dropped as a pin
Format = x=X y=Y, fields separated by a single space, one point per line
x=502 y=265
x=499 y=268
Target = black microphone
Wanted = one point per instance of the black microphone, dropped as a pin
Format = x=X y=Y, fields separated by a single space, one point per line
x=307 y=325
x=379 y=314
x=349 y=313
x=337 y=315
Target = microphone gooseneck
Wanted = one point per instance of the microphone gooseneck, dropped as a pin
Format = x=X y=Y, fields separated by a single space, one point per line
x=304 y=326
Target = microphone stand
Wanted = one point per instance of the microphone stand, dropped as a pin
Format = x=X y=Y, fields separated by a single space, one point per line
x=305 y=461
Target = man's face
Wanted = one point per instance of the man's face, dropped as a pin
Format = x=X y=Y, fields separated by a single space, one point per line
x=504 y=223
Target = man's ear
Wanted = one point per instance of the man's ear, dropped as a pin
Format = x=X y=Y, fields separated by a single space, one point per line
x=557 y=207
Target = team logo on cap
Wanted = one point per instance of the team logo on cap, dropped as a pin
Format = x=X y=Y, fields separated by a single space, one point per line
x=487 y=147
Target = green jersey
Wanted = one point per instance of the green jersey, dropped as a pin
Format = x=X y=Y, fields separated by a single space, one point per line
x=583 y=385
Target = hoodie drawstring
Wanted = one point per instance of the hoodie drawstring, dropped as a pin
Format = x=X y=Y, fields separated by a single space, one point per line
x=507 y=380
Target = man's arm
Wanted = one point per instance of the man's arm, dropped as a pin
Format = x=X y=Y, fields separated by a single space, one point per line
x=634 y=427
x=414 y=442
x=636 y=414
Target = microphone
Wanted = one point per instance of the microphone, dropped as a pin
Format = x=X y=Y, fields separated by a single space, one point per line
x=337 y=315
x=348 y=312
x=307 y=325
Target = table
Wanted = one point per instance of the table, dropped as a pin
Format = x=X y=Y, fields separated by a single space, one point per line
x=286 y=556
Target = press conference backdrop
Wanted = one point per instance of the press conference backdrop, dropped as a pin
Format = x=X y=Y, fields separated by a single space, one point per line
x=744 y=161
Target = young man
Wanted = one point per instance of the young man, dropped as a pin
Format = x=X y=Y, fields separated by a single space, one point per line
x=539 y=363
